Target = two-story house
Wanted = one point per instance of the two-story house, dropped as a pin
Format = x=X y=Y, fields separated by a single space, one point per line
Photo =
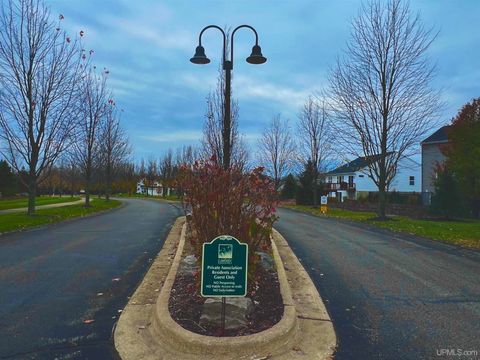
x=153 y=188
x=353 y=181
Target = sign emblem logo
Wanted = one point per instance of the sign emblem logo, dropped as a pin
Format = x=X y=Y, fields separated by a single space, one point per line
x=225 y=253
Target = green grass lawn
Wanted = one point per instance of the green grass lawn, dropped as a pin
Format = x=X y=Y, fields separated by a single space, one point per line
x=42 y=200
x=461 y=232
x=18 y=221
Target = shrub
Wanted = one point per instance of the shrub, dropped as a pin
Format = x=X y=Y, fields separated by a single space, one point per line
x=447 y=200
x=289 y=189
x=228 y=202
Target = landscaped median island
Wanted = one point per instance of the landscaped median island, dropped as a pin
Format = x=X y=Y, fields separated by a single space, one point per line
x=226 y=285
x=259 y=310
x=146 y=329
x=20 y=221
x=463 y=232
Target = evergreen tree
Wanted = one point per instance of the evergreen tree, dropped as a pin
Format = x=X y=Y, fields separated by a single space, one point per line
x=305 y=189
x=447 y=200
x=289 y=189
x=8 y=182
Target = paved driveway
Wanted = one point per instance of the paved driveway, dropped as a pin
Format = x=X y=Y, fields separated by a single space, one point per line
x=390 y=296
x=54 y=278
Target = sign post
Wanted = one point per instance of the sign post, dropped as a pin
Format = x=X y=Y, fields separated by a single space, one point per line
x=323 y=204
x=224 y=270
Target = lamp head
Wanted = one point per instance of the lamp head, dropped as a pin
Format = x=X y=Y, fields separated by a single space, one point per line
x=256 y=56
x=200 y=57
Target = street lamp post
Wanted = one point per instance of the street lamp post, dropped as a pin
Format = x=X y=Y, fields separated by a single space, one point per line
x=255 y=57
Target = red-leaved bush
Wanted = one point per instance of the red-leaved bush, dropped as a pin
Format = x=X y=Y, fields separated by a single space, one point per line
x=228 y=202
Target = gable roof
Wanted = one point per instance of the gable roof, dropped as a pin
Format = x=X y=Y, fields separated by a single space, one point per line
x=355 y=165
x=439 y=136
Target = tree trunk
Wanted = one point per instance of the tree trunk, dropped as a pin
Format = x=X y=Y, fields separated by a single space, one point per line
x=108 y=183
x=382 y=202
x=315 y=190
x=87 y=188
x=32 y=194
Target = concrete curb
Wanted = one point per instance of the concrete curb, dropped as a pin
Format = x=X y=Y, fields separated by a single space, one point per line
x=146 y=330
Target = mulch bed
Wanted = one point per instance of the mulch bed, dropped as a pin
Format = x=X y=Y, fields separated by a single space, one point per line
x=186 y=303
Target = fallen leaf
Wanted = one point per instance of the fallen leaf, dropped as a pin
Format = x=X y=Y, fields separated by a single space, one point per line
x=88 y=321
x=99 y=294
x=116 y=279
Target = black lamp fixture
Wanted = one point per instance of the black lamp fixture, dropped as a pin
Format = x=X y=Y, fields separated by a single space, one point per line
x=200 y=57
x=256 y=56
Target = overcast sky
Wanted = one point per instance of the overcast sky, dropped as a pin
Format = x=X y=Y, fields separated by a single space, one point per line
x=147 y=45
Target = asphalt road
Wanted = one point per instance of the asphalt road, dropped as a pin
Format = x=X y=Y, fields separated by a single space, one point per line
x=390 y=296
x=54 y=278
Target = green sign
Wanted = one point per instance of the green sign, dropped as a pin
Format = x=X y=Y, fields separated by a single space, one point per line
x=224 y=267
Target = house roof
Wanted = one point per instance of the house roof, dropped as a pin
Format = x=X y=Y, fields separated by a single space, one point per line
x=441 y=135
x=355 y=165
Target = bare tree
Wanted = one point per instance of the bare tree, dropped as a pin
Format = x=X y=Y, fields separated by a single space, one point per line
x=94 y=96
x=39 y=68
x=276 y=149
x=381 y=89
x=213 y=140
x=168 y=171
x=315 y=138
x=186 y=156
x=114 y=146
x=72 y=174
x=152 y=173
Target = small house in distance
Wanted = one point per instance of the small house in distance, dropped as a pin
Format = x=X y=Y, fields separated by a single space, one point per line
x=150 y=188
x=352 y=180
x=431 y=157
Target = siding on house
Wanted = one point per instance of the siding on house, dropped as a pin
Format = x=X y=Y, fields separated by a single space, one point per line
x=431 y=156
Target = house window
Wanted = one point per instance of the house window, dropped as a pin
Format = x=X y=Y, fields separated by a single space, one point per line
x=412 y=180
x=340 y=179
x=329 y=179
x=350 y=180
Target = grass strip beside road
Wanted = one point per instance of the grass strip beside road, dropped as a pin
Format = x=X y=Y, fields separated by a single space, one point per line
x=464 y=232
x=19 y=221
x=150 y=197
x=42 y=200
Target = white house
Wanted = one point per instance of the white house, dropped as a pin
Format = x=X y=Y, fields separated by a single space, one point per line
x=153 y=189
x=352 y=180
